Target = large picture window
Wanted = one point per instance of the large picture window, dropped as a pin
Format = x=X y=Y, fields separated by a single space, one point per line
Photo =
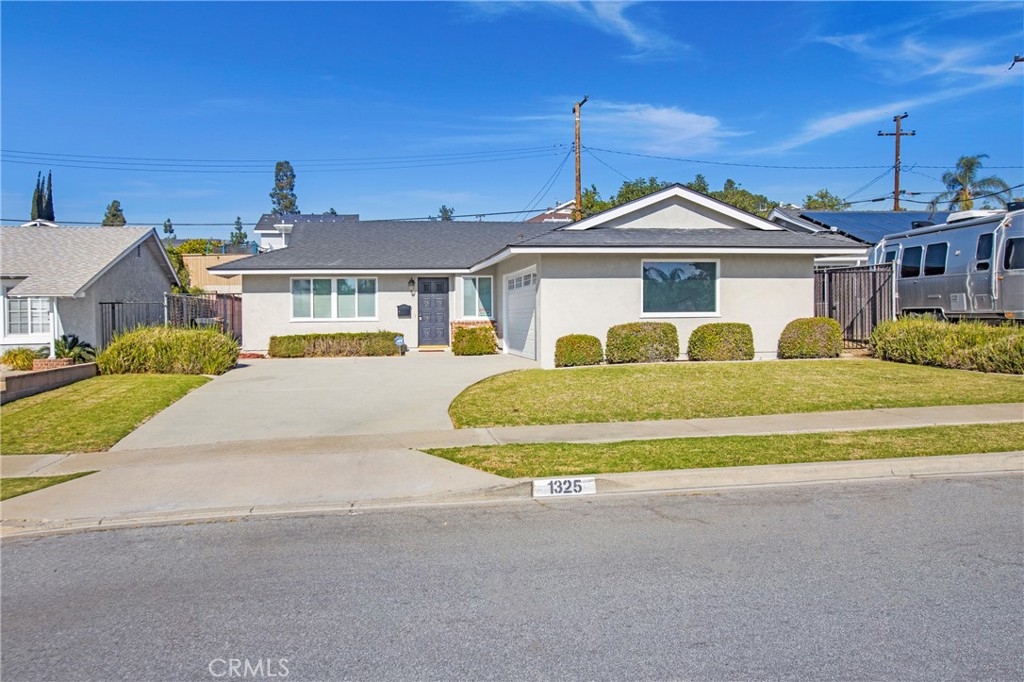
x=680 y=287
x=351 y=298
x=477 y=297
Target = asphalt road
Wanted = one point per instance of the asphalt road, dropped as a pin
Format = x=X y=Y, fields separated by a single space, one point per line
x=899 y=580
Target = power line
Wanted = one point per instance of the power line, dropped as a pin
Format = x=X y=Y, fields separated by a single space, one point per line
x=547 y=185
x=601 y=161
x=871 y=182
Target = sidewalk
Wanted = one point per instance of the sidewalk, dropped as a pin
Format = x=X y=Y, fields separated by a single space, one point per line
x=242 y=478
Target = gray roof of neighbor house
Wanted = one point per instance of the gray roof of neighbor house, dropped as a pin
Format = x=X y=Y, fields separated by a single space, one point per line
x=866 y=226
x=268 y=220
x=62 y=261
x=728 y=238
x=390 y=245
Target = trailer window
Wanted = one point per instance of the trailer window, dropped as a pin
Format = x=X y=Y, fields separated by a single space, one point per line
x=890 y=255
x=911 y=265
x=984 y=247
x=1013 y=258
x=935 y=259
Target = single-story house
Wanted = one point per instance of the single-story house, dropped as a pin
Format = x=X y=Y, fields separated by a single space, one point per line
x=865 y=227
x=675 y=256
x=54 y=279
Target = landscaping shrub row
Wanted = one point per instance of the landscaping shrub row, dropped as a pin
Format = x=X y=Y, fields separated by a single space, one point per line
x=642 y=342
x=334 y=345
x=169 y=350
x=721 y=341
x=811 y=337
x=474 y=341
x=960 y=345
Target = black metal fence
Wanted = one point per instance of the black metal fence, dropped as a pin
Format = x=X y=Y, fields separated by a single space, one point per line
x=222 y=311
x=117 y=317
x=859 y=298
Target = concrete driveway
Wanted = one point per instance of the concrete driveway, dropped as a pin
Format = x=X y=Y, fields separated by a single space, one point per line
x=311 y=397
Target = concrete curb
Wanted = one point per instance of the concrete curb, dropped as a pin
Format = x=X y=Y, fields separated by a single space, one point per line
x=693 y=481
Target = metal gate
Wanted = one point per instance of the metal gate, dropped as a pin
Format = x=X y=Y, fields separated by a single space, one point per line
x=859 y=298
x=117 y=317
x=223 y=311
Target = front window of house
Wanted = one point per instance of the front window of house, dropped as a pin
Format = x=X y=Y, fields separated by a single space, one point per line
x=477 y=297
x=28 y=315
x=348 y=298
x=680 y=287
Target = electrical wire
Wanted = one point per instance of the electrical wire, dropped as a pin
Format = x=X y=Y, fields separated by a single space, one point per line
x=868 y=184
x=601 y=161
x=531 y=206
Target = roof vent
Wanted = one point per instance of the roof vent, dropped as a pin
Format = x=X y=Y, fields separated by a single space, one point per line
x=918 y=224
x=969 y=215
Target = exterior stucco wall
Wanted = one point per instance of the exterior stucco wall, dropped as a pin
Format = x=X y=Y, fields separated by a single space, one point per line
x=589 y=294
x=267 y=310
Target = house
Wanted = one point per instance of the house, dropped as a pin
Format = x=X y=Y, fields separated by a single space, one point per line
x=562 y=213
x=865 y=227
x=56 y=280
x=677 y=256
x=273 y=237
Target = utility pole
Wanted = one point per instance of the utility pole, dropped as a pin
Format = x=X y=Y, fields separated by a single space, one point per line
x=578 y=212
x=898 y=134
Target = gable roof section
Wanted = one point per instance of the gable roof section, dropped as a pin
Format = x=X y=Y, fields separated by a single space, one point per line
x=403 y=246
x=682 y=195
x=64 y=261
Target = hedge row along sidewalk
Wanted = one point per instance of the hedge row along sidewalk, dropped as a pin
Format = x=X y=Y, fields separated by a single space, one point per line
x=540 y=460
x=689 y=390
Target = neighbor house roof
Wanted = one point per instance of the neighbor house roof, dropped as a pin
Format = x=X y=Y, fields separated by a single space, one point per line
x=389 y=245
x=268 y=220
x=865 y=226
x=64 y=261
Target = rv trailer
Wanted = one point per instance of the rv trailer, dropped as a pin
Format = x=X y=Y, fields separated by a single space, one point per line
x=970 y=267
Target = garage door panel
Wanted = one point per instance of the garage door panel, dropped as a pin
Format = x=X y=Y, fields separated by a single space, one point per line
x=521 y=315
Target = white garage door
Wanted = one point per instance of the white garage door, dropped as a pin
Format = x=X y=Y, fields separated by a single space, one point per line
x=521 y=313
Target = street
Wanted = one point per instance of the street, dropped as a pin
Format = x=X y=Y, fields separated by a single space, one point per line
x=914 y=579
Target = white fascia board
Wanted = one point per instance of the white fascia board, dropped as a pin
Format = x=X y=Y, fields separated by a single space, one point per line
x=346 y=271
x=682 y=193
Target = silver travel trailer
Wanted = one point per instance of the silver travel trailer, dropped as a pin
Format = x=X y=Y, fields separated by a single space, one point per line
x=970 y=267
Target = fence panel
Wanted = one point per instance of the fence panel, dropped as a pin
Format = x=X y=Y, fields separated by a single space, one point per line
x=859 y=298
x=117 y=317
x=223 y=311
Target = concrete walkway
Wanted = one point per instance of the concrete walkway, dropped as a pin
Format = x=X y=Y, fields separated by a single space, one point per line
x=243 y=478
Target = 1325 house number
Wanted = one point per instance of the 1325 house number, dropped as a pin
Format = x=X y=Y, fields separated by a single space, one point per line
x=564 y=486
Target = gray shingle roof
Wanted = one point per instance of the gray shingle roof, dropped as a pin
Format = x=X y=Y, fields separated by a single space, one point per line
x=390 y=245
x=696 y=238
x=268 y=220
x=60 y=261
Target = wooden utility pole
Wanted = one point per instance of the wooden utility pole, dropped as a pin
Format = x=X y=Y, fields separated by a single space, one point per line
x=578 y=211
x=898 y=134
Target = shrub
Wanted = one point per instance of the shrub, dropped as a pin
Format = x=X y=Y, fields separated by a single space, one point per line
x=169 y=350
x=68 y=346
x=577 y=350
x=642 y=342
x=474 y=341
x=333 y=345
x=721 y=341
x=960 y=345
x=811 y=337
x=18 y=359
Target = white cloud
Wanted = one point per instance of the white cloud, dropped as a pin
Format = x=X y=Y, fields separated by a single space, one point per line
x=655 y=129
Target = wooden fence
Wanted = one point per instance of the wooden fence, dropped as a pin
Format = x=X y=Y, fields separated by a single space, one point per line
x=223 y=311
x=859 y=298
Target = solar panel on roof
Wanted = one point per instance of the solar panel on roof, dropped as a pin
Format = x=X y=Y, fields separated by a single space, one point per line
x=871 y=226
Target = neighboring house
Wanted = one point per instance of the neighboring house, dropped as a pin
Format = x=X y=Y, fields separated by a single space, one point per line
x=676 y=256
x=53 y=279
x=272 y=237
x=866 y=227
x=562 y=213
x=198 y=265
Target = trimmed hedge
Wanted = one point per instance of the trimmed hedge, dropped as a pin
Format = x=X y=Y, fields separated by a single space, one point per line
x=956 y=345
x=334 y=345
x=721 y=341
x=18 y=359
x=811 y=337
x=642 y=342
x=169 y=350
x=578 y=350
x=474 y=341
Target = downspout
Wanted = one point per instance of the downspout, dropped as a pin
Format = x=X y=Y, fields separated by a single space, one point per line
x=53 y=328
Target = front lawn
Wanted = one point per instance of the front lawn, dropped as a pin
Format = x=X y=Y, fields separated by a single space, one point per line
x=89 y=415
x=689 y=390
x=540 y=460
x=12 y=487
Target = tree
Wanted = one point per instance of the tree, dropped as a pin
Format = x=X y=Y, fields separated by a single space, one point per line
x=591 y=202
x=199 y=246
x=283 y=194
x=37 y=201
x=445 y=213
x=331 y=211
x=47 y=212
x=180 y=269
x=823 y=200
x=699 y=184
x=238 y=236
x=963 y=185
x=169 y=229
x=635 y=189
x=114 y=216
x=732 y=193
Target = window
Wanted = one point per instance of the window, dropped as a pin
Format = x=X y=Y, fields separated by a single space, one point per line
x=890 y=255
x=911 y=265
x=984 y=252
x=28 y=315
x=521 y=282
x=330 y=299
x=680 y=288
x=476 y=296
x=1013 y=258
x=935 y=259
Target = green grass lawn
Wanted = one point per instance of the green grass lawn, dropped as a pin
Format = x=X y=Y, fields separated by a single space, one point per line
x=89 y=415
x=12 y=487
x=688 y=390
x=539 y=460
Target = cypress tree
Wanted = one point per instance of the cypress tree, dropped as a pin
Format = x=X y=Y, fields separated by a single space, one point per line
x=35 y=198
x=48 y=203
x=114 y=216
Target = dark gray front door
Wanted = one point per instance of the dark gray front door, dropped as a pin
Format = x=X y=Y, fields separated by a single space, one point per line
x=433 y=311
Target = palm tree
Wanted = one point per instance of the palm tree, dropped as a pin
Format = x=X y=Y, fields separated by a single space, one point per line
x=963 y=185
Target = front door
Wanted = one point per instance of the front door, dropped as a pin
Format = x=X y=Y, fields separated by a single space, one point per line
x=433 y=311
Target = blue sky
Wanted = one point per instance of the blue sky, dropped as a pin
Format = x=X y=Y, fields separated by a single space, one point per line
x=390 y=109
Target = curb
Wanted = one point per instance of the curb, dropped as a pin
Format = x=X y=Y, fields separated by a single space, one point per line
x=692 y=481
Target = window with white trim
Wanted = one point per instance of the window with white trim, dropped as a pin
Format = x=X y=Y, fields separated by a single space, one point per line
x=680 y=288
x=347 y=298
x=477 y=296
x=27 y=314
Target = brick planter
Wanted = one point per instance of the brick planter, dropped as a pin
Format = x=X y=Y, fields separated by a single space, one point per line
x=48 y=363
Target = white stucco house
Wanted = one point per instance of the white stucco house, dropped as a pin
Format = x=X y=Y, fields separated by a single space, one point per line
x=675 y=256
x=55 y=279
